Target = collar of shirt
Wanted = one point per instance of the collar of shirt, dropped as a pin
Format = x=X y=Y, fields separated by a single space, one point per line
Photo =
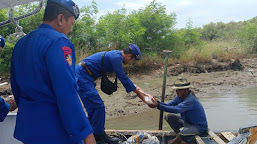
x=46 y=26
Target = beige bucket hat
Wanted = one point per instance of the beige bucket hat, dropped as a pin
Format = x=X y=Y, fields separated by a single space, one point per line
x=181 y=83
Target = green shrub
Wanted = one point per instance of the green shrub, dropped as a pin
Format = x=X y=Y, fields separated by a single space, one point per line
x=5 y=60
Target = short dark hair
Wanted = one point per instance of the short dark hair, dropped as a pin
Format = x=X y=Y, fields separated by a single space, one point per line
x=52 y=10
x=128 y=50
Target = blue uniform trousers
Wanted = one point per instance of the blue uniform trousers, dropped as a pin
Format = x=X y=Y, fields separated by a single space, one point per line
x=92 y=102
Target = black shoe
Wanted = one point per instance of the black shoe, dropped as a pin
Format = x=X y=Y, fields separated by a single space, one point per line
x=104 y=138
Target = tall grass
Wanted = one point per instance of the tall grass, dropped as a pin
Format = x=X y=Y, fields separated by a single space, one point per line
x=221 y=50
x=81 y=54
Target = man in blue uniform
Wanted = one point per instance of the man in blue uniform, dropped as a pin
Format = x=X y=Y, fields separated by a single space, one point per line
x=192 y=119
x=9 y=105
x=90 y=69
x=43 y=82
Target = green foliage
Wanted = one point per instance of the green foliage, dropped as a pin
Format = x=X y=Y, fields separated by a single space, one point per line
x=190 y=35
x=7 y=29
x=32 y=22
x=186 y=39
x=117 y=30
x=221 y=50
x=115 y=33
x=248 y=36
x=150 y=27
x=221 y=31
x=5 y=59
x=159 y=27
x=83 y=34
x=209 y=32
x=28 y=24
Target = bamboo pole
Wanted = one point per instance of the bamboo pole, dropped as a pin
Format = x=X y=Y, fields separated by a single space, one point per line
x=166 y=52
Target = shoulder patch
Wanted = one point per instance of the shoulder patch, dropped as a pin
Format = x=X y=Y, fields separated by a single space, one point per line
x=67 y=55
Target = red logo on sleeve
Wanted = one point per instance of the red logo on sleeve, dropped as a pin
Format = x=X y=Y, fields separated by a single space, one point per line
x=67 y=55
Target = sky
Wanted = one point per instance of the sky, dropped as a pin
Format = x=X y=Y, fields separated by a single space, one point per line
x=200 y=12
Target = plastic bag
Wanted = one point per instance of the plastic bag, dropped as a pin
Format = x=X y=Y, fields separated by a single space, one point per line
x=142 y=138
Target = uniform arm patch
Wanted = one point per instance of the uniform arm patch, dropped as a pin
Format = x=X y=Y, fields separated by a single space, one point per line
x=67 y=55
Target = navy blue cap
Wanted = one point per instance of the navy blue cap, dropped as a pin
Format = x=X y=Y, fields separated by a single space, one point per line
x=68 y=5
x=136 y=51
x=2 y=42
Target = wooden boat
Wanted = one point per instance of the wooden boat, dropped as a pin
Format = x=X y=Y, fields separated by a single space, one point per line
x=249 y=134
x=165 y=136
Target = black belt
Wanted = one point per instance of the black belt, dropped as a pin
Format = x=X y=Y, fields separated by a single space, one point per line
x=86 y=68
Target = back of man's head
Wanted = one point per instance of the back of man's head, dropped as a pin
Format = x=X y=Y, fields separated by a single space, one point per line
x=134 y=50
x=55 y=7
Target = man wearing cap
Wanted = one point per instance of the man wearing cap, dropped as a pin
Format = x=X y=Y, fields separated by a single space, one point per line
x=192 y=117
x=43 y=82
x=2 y=43
x=89 y=69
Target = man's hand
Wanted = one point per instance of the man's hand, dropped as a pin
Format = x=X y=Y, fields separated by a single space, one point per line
x=140 y=93
x=90 y=139
x=154 y=104
x=11 y=102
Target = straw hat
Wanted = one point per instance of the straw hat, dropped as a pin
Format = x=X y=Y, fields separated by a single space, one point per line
x=181 y=83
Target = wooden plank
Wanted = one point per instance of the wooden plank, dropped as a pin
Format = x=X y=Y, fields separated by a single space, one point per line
x=228 y=135
x=215 y=137
x=198 y=140
x=253 y=137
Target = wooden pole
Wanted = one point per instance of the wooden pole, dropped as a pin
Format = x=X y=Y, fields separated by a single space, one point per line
x=166 y=52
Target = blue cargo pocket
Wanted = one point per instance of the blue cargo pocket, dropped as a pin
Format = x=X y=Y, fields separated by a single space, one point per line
x=93 y=102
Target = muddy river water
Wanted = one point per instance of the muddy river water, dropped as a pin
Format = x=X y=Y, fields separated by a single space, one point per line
x=224 y=111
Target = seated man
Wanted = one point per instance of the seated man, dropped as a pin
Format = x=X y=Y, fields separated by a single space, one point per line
x=192 y=120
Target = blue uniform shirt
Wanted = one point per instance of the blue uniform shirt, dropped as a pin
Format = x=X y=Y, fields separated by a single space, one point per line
x=112 y=63
x=44 y=87
x=4 y=109
x=191 y=111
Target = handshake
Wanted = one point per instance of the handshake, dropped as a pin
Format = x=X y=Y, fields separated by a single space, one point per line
x=150 y=100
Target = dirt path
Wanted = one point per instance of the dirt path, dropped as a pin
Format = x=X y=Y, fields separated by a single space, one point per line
x=203 y=77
